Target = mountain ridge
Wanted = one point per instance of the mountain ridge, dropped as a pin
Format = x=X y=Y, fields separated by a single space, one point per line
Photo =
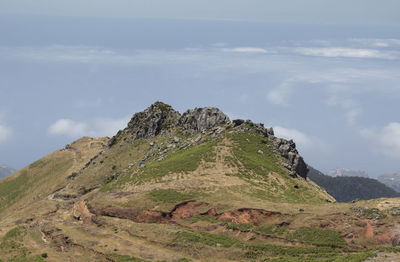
x=391 y=180
x=349 y=188
x=172 y=187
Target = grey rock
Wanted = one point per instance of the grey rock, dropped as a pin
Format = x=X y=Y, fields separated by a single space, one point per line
x=197 y=139
x=258 y=127
x=176 y=140
x=202 y=119
x=300 y=167
x=260 y=152
x=130 y=165
x=171 y=146
x=142 y=165
x=152 y=121
x=350 y=235
x=237 y=122
x=151 y=144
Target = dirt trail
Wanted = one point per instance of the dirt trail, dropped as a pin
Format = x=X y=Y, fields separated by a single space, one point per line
x=369 y=231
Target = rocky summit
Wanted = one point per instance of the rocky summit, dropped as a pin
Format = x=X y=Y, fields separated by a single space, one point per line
x=160 y=118
x=184 y=187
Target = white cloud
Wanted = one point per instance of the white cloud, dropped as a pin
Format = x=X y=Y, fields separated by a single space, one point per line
x=345 y=52
x=5 y=131
x=302 y=140
x=95 y=128
x=377 y=42
x=351 y=107
x=69 y=128
x=386 y=140
x=245 y=50
x=280 y=95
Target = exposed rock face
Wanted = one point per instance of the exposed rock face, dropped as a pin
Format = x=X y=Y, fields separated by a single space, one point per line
x=151 y=122
x=201 y=119
x=285 y=148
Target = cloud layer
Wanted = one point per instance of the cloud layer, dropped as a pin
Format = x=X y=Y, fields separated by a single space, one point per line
x=301 y=139
x=5 y=133
x=346 y=52
x=96 y=128
x=385 y=139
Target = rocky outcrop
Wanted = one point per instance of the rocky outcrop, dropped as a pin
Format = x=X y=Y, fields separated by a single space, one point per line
x=286 y=148
x=151 y=122
x=202 y=119
x=160 y=117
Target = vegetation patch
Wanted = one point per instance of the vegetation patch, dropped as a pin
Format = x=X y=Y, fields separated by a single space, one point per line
x=169 y=196
x=15 y=233
x=357 y=257
x=190 y=237
x=270 y=230
x=124 y=258
x=181 y=161
x=318 y=237
x=247 y=152
x=240 y=227
x=16 y=187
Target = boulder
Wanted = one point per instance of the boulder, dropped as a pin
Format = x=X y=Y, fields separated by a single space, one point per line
x=237 y=122
x=202 y=119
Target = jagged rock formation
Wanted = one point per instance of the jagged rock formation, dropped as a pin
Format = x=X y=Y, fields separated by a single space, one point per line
x=202 y=119
x=160 y=117
x=288 y=150
x=152 y=121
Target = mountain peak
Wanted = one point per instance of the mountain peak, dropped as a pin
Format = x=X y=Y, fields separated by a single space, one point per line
x=152 y=121
x=160 y=118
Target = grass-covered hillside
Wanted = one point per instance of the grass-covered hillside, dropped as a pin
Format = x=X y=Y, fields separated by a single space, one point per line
x=190 y=187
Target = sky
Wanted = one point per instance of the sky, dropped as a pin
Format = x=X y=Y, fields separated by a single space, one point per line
x=323 y=73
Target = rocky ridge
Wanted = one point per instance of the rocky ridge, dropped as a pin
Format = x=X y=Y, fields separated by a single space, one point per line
x=160 y=118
